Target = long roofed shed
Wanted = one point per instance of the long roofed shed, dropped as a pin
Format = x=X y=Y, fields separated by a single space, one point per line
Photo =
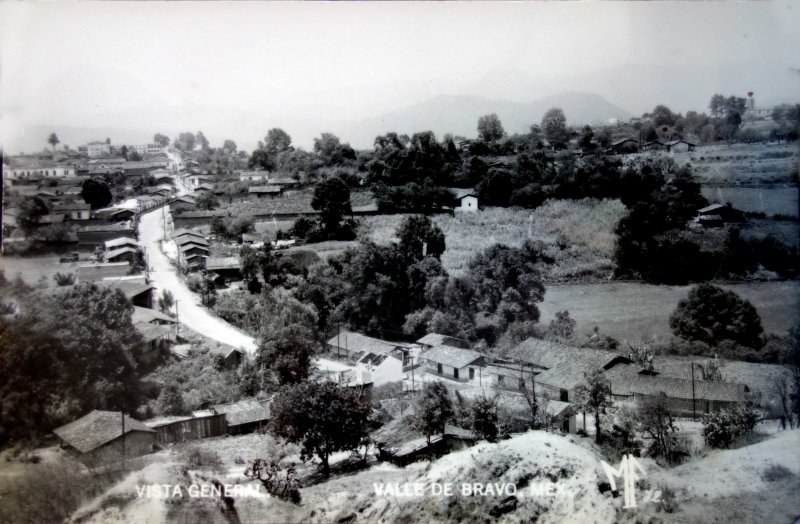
x=97 y=429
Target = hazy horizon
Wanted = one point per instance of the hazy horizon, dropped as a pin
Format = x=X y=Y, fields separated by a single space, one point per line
x=235 y=70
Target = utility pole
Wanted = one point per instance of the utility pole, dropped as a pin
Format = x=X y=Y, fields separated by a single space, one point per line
x=694 y=410
x=122 y=414
x=177 y=319
x=338 y=342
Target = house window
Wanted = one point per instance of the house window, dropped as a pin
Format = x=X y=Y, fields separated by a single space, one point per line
x=439 y=368
x=471 y=373
x=521 y=383
x=564 y=396
x=455 y=372
x=500 y=379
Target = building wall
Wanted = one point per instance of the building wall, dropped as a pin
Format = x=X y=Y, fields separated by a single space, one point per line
x=192 y=429
x=45 y=172
x=98 y=149
x=390 y=370
x=449 y=371
x=137 y=443
x=469 y=203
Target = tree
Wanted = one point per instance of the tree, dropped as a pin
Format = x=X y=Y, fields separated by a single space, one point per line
x=490 y=129
x=484 y=417
x=65 y=354
x=277 y=141
x=332 y=199
x=166 y=301
x=434 y=410
x=170 y=401
x=185 y=141
x=201 y=140
x=322 y=417
x=96 y=193
x=561 y=328
x=662 y=116
x=229 y=146
x=206 y=200
x=53 y=141
x=655 y=421
x=594 y=396
x=161 y=140
x=722 y=429
x=287 y=338
x=332 y=151
x=554 y=127
x=64 y=279
x=30 y=209
x=717 y=105
x=420 y=237
x=711 y=314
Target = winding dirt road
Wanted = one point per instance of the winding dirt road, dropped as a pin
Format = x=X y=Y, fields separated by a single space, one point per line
x=190 y=311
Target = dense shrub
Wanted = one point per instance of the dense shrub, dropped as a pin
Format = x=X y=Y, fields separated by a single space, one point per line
x=723 y=428
x=278 y=479
x=196 y=458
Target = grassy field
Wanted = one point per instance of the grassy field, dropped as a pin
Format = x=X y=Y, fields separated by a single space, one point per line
x=630 y=310
x=768 y=200
x=578 y=234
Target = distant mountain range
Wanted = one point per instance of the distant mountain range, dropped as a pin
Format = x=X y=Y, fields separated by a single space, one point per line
x=459 y=115
x=442 y=114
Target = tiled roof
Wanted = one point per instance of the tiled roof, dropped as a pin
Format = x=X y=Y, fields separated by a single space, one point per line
x=119 y=251
x=147 y=315
x=358 y=343
x=450 y=356
x=682 y=389
x=435 y=339
x=131 y=288
x=264 y=189
x=119 y=242
x=222 y=263
x=244 y=411
x=151 y=332
x=97 y=428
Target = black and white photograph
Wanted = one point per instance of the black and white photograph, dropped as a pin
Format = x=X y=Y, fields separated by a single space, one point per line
x=400 y=262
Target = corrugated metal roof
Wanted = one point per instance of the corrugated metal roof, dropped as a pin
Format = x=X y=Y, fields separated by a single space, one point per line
x=358 y=343
x=97 y=428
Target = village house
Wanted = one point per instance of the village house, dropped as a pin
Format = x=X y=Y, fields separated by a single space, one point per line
x=254 y=176
x=97 y=234
x=228 y=268
x=101 y=437
x=175 y=429
x=97 y=149
x=453 y=363
x=679 y=146
x=352 y=346
x=244 y=416
x=400 y=443
x=135 y=288
x=117 y=243
x=182 y=203
x=432 y=340
x=271 y=191
x=73 y=210
x=717 y=215
x=624 y=146
x=122 y=254
x=93 y=272
x=42 y=172
x=383 y=367
x=557 y=369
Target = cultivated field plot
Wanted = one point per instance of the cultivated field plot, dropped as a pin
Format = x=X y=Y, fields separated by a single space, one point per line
x=630 y=310
x=773 y=200
x=292 y=202
x=578 y=234
x=743 y=163
x=33 y=269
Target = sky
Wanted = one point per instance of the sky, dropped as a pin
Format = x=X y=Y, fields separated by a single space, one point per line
x=235 y=70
